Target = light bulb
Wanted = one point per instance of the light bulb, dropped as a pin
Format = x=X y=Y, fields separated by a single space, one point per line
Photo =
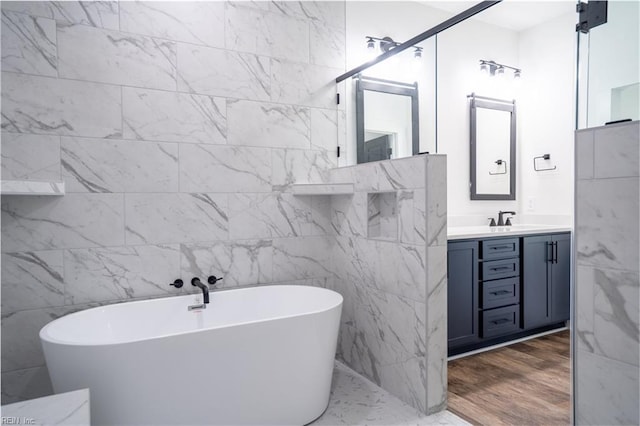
x=418 y=53
x=500 y=72
x=516 y=74
x=371 y=44
x=484 y=68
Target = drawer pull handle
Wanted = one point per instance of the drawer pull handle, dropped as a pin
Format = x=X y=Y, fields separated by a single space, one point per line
x=500 y=293
x=500 y=247
x=502 y=268
x=500 y=321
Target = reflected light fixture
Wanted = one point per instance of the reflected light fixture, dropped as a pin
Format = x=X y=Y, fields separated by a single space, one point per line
x=386 y=44
x=495 y=69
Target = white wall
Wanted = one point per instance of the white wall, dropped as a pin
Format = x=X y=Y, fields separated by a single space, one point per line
x=547 y=120
x=459 y=50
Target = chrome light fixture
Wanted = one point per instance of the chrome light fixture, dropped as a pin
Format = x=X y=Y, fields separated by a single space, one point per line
x=495 y=69
x=387 y=43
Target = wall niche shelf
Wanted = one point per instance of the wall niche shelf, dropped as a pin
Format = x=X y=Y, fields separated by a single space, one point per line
x=29 y=187
x=322 y=189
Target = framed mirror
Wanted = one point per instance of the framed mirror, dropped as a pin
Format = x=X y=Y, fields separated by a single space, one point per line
x=386 y=119
x=493 y=148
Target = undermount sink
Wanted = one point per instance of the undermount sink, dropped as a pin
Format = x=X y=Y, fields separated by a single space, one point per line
x=462 y=232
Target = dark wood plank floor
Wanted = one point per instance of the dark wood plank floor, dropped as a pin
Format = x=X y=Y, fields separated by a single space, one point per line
x=527 y=383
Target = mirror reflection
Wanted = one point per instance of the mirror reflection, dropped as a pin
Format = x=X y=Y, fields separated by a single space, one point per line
x=387 y=119
x=492 y=142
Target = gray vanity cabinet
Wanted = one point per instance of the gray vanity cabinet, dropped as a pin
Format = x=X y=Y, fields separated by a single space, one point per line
x=545 y=279
x=462 y=293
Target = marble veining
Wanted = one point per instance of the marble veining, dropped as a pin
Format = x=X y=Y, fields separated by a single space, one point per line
x=157 y=115
x=94 y=54
x=19 y=163
x=102 y=14
x=28 y=44
x=43 y=105
x=70 y=408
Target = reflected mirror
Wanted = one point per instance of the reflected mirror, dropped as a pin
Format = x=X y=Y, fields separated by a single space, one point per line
x=386 y=119
x=493 y=148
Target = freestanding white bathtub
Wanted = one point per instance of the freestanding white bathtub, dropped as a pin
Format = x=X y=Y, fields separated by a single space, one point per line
x=260 y=356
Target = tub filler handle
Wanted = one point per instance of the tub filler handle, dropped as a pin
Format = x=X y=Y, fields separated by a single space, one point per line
x=212 y=280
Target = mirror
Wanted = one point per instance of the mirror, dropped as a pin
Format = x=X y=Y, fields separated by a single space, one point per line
x=386 y=119
x=493 y=148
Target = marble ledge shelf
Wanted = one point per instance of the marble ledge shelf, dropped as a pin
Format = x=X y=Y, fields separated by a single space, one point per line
x=27 y=187
x=322 y=189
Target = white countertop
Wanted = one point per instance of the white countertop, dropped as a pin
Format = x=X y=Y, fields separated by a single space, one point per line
x=70 y=408
x=464 y=232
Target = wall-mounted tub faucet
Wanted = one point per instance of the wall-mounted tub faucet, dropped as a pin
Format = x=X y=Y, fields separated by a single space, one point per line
x=501 y=220
x=195 y=281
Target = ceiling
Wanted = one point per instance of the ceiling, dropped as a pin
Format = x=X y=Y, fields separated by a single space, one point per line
x=516 y=15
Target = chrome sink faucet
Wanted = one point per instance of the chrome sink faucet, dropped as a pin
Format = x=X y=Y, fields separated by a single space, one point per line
x=501 y=221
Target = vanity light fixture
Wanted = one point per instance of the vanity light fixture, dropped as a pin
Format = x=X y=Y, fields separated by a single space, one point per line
x=495 y=69
x=387 y=43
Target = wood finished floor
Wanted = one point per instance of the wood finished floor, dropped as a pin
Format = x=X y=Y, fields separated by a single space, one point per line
x=527 y=383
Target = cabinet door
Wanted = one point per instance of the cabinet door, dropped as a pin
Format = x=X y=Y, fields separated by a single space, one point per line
x=560 y=278
x=462 y=293
x=536 y=277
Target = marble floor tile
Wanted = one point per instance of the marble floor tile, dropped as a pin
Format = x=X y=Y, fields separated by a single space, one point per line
x=357 y=401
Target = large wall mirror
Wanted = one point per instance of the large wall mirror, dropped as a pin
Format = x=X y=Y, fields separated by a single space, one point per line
x=387 y=123
x=493 y=148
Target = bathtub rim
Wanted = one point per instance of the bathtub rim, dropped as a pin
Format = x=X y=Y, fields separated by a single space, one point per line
x=45 y=337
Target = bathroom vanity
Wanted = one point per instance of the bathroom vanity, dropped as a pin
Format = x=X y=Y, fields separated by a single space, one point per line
x=505 y=283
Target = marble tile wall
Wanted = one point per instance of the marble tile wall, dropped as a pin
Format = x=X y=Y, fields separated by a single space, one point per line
x=394 y=316
x=607 y=282
x=178 y=128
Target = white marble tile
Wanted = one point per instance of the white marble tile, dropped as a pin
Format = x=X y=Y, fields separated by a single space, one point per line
x=607 y=223
x=29 y=44
x=268 y=125
x=253 y=4
x=189 y=21
x=390 y=175
x=20 y=385
x=32 y=280
x=303 y=84
x=221 y=72
x=269 y=34
x=326 y=12
x=32 y=187
x=584 y=154
x=44 y=105
x=120 y=273
x=324 y=131
x=382 y=216
x=356 y=401
x=30 y=157
x=436 y=329
x=94 y=54
x=436 y=210
x=102 y=14
x=407 y=381
x=616 y=310
x=21 y=346
x=606 y=391
x=301 y=258
x=321 y=215
x=99 y=165
x=72 y=221
x=175 y=218
x=349 y=214
x=70 y=408
x=238 y=262
x=617 y=151
x=328 y=45
x=291 y=166
x=402 y=270
x=583 y=323
x=406 y=228
x=210 y=168
x=177 y=117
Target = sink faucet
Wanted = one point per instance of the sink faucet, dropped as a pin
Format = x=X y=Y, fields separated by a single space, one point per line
x=501 y=220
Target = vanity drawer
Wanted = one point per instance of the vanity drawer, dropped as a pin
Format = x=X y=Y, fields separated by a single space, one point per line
x=500 y=293
x=500 y=248
x=496 y=269
x=499 y=321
